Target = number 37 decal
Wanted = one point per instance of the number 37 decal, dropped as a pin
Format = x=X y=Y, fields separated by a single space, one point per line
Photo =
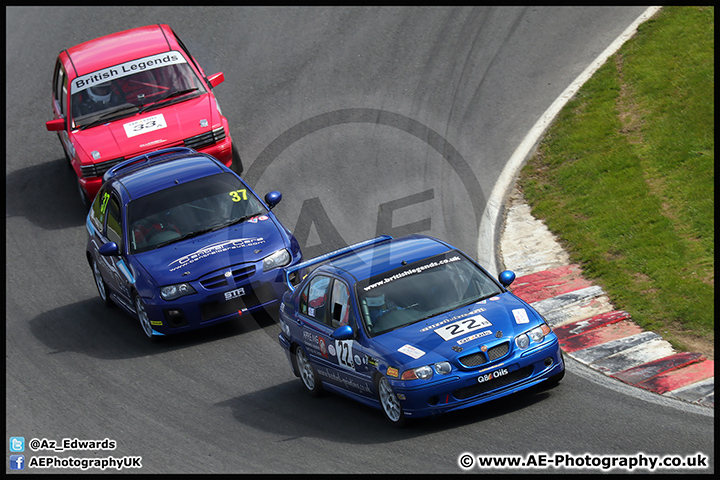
x=239 y=195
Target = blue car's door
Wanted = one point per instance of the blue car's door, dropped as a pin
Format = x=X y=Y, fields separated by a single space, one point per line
x=324 y=306
x=114 y=269
x=316 y=330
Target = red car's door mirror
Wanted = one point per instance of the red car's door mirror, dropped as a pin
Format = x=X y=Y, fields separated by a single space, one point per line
x=55 y=125
x=216 y=79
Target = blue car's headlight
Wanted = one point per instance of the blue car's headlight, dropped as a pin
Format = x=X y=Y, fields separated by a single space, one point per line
x=171 y=292
x=522 y=341
x=426 y=371
x=276 y=260
x=536 y=335
x=443 y=368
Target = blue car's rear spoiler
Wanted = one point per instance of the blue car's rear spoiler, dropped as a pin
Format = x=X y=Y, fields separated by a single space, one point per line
x=291 y=272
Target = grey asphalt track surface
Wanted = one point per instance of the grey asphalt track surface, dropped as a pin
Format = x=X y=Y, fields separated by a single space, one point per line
x=368 y=120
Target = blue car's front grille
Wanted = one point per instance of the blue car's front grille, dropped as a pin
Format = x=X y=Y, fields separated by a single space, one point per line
x=499 y=382
x=498 y=351
x=478 y=358
x=239 y=273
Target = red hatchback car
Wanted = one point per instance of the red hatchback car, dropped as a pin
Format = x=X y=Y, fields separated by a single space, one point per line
x=130 y=93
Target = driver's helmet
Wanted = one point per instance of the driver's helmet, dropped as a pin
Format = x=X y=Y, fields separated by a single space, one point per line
x=376 y=308
x=375 y=301
x=101 y=93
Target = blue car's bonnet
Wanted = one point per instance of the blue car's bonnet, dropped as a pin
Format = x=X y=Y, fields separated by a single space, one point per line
x=432 y=340
x=189 y=260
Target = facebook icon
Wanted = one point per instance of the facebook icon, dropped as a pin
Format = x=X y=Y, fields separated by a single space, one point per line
x=17 y=462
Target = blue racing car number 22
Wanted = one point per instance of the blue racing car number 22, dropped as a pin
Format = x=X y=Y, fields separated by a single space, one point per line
x=344 y=354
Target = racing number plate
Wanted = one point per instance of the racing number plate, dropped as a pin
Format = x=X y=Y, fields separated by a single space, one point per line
x=145 y=125
x=462 y=327
x=492 y=375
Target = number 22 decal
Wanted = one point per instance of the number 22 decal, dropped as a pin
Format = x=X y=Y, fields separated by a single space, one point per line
x=344 y=354
x=462 y=327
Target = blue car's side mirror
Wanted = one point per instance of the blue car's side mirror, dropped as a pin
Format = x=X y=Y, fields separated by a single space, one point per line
x=273 y=198
x=109 y=249
x=343 y=333
x=507 y=277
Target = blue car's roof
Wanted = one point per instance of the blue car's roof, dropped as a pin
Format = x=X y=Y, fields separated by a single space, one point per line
x=141 y=177
x=381 y=257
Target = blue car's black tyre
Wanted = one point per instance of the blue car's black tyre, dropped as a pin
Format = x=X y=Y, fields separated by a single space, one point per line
x=100 y=284
x=555 y=379
x=144 y=319
x=307 y=372
x=389 y=403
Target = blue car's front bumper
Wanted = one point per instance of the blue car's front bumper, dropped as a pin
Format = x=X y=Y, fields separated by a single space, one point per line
x=207 y=307
x=462 y=389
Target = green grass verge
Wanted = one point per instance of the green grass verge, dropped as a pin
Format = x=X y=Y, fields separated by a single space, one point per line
x=625 y=176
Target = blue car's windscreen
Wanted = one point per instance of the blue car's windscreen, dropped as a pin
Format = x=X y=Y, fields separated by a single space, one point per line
x=189 y=209
x=421 y=290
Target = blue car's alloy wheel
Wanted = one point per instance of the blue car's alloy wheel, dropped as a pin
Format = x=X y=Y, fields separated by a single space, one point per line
x=307 y=372
x=143 y=317
x=390 y=404
x=100 y=283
